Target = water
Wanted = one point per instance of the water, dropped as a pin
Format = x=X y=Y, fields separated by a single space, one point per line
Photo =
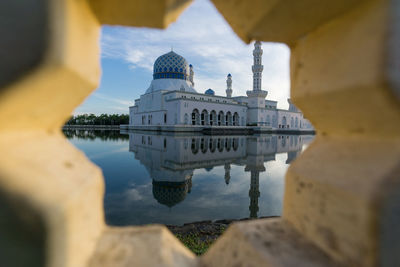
x=176 y=179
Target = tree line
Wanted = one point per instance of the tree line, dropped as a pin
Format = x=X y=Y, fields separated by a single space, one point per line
x=103 y=119
x=95 y=134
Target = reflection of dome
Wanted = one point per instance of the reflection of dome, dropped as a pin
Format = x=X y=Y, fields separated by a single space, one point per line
x=170 y=193
x=172 y=66
x=209 y=92
x=208 y=168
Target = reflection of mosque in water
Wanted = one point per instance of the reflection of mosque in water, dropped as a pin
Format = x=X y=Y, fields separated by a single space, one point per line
x=171 y=160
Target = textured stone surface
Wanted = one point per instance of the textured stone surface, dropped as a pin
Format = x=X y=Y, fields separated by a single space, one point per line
x=63 y=190
x=47 y=93
x=342 y=194
x=341 y=213
x=266 y=242
x=141 y=246
x=139 y=13
x=341 y=70
x=277 y=20
x=32 y=33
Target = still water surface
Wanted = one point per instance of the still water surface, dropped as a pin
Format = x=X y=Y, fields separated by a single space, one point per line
x=176 y=179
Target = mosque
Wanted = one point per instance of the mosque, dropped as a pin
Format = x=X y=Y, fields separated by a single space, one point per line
x=171 y=103
x=171 y=160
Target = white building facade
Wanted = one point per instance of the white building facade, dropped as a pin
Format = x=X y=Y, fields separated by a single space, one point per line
x=172 y=103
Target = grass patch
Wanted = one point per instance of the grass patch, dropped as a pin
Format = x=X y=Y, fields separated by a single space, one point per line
x=199 y=236
x=199 y=240
x=195 y=243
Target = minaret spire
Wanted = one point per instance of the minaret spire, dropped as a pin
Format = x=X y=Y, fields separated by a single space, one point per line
x=229 y=85
x=191 y=74
x=257 y=66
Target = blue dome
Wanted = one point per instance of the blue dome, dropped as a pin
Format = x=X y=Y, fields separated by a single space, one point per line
x=171 y=66
x=229 y=75
x=209 y=92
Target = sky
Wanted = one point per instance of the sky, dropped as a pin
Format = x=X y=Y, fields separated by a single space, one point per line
x=205 y=39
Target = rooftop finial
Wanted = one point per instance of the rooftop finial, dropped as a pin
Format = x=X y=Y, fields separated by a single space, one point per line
x=172 y=48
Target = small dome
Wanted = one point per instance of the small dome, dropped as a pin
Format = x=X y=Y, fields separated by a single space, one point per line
x=171 y=66
x=170 y=193
x=209 y=92
x=229 y=75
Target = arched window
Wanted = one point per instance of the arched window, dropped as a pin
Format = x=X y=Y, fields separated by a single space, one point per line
x=212 y=145
x=268 y=121
x=186 y=118
x=228 y=144
x=195 y=117
x=204 y=117
x=195 y=145
x=228 y=118
x=235 y=143
x=236 y=119
x=291 y=122
x=296 y=123
x=283 y=122
x=220 y=144
x=221 y=117
x=203 y=145
x=213 y=116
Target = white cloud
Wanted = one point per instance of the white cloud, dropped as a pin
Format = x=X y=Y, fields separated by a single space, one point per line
x=203 y=37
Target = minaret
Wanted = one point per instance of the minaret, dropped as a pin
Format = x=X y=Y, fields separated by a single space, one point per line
x=229 y=85
x=256 y=97
x=257 y=66
x=191 y=74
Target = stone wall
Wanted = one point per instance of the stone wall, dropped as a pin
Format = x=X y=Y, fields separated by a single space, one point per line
x=342 y=195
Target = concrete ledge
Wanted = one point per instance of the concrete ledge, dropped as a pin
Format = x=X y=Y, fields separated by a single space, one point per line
x=152 y=245
x=216 y=130
x=267 y=242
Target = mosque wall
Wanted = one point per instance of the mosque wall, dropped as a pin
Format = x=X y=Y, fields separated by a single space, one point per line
x=206 y=108
x=151 y=102
x=181 y=153
x=289 y=120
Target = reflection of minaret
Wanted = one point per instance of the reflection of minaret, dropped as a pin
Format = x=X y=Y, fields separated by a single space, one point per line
x=254 y=193
x=227 y=168
x=255 y=166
